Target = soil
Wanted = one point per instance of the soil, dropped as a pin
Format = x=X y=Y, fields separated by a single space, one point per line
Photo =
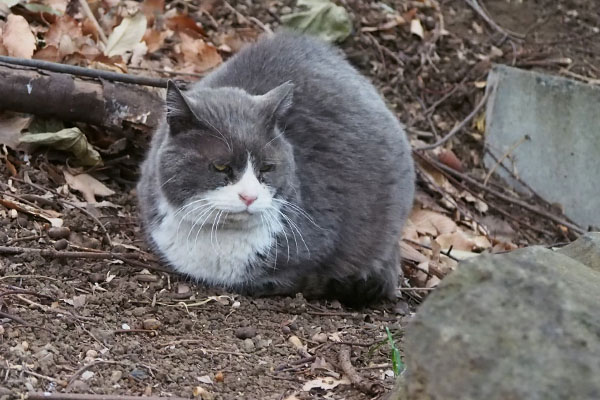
x=126 y=327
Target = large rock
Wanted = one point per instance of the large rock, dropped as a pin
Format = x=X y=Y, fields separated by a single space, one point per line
x=562 y=119
x=522 y=325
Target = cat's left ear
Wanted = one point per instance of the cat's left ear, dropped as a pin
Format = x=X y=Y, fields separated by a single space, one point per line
x=278 y=101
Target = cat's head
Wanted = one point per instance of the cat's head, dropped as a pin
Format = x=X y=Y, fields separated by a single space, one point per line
x=226 y=151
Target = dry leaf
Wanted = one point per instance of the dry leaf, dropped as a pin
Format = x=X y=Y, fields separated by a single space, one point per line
x=325 y=383
x=185 y=24
x=17 y=37
x=71 y=140
x=126 y=35
x=431 y=223
x=49 y=215
x=152 y=9
x=196 y=52
x=11 y=125
x=416 y=28
x=155 y=39
x=460 y=240
x=89 y=186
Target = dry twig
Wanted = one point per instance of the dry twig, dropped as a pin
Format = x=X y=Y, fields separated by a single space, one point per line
x=85 y=396
x=370 y=388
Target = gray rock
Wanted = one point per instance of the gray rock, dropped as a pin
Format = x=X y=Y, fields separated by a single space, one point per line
x=562 y=119
x=248 y=345
x=522 y=325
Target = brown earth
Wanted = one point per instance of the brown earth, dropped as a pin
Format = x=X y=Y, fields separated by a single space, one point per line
x=107 y=326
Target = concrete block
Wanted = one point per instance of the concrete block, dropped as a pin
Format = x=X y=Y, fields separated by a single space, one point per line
x=560 y=119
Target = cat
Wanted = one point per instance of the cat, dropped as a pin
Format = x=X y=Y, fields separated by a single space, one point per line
x=282 y=171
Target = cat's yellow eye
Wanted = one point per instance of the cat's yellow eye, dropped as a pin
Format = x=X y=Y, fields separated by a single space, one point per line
x=266 y=168
x=221 y=167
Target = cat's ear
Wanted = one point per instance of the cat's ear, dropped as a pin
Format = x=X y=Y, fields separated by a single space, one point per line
x=278 y=101
x=179 y=113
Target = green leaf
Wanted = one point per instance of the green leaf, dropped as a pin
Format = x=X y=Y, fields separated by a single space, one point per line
x=10 y=3
x=71 y=140
x=322 y=18
x=41 y=8
x=126 y=35
x=397 y=364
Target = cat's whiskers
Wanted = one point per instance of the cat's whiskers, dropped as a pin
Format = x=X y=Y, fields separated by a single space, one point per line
x=202 y=225
x=273 y=236
x=168 y=180
x=298 y=210
x=207 y=212
x=213 y=230
x=293 y=227
x=276 y=137
x=200 y=208
x=275 y=219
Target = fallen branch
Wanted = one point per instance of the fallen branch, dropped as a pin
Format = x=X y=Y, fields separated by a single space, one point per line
x=502 y=196
x=87 y=72
x=458 y=127
x=97 y=255
x=111 y=105
x=370 y=388
x=85 y=396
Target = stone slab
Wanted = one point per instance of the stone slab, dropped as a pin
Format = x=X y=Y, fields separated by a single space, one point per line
x=560 y=159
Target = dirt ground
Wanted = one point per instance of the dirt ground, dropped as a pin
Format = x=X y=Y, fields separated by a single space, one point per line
x=124 y=326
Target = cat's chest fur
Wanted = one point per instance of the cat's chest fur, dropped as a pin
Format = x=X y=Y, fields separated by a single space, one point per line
x=218 y=257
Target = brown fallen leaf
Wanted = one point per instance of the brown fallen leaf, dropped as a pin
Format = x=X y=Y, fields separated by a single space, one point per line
x=11 y=125
x=199 y=54
x=155 y=39
x=185 y=24
x=152 y=9
x=49 y=215
x=461 y=240
x=17 y=37
x=87 y=185
x=431 y=223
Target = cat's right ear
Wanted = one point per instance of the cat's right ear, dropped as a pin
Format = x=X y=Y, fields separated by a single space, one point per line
x=179 y=113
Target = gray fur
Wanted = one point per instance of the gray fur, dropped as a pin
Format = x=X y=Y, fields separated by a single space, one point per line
x=339 y=153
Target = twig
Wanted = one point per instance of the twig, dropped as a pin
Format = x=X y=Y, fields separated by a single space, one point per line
x=264 y=27
x=458 y=127
x=370 y=388
x=88 y=12
x=13 y=317
x=87 y=72
x=85 y=396
x=506 y=198
x=167 y=72
x=474 y=4
x=101 y=255
x=48 y=378
x=331 y=314
x=152 y=331
x=22 y=239
x=503 y=157
x=53 y=309
x=81 y=370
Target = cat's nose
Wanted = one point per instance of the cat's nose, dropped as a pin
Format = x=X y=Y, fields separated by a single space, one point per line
x=247 y=198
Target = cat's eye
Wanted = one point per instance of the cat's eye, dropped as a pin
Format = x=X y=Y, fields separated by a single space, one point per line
x=266 y=167
x=221 y=167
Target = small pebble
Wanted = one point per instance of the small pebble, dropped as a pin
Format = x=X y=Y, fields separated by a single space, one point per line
x=246 y=332
x=286 y=329
x=219 y=377
x=91 y=353
x=96 y=277
x=57 y=233
x=87 y=375
x=151 y=324
x=92 y=243
x=116 y=376
x=248 y=345
x=61 y=244
x=320 y=337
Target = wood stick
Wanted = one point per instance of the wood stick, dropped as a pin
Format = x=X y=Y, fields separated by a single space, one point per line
x=99 y=255
x=111 y=105
x=87 y=72
x=370 y=388
x=85 y=396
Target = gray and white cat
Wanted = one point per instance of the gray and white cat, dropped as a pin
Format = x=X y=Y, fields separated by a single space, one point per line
x=282 y=171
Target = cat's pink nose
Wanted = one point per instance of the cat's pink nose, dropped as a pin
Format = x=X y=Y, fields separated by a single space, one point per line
x=247 y=199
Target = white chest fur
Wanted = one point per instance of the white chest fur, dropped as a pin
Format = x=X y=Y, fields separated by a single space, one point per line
x=217 y=257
